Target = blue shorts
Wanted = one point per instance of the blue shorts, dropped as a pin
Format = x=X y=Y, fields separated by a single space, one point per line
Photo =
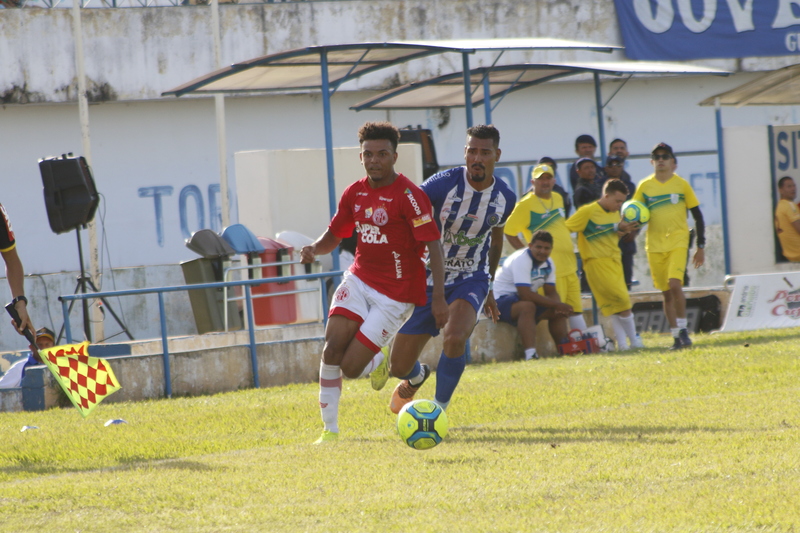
x=422 y=321
x=504 y=304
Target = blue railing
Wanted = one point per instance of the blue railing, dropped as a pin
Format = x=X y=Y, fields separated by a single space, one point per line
x=321 y=276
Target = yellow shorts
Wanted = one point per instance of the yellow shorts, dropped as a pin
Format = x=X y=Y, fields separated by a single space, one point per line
x=667 y=265
x=569 y=290
x=607 y=281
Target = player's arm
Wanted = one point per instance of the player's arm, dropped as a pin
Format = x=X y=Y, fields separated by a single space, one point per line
x=436 y=264
x=16 y=282
x=561 y=308
x=525 y=293
x=796 y=225
x=514 y=241
x=495 y=251
x=326 y=243
x=700 y=227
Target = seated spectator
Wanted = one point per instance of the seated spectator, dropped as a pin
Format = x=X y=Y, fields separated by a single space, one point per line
x=588 y=188
x=787 y=219
x=585 y=147
x=516 y=287
x=13 y=378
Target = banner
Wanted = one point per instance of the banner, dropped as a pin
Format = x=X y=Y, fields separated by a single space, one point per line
x=698 y=29
x=763 y=301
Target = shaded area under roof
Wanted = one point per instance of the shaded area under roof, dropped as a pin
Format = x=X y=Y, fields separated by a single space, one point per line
x=300 y=69
x=779 y=87
x=447 y=90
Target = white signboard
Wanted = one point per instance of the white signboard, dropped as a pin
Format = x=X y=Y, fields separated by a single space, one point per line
x=763 y=301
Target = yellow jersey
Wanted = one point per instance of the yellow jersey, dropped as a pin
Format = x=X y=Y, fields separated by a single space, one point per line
x=785 y=214
x=532 y=214
x=668 y=203
x=597 y=232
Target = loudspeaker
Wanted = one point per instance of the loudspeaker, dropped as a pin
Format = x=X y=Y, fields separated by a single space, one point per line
x=69 y=193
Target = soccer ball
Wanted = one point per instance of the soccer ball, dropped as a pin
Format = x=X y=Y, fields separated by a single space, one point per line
x=422 y=424
x=635 y=211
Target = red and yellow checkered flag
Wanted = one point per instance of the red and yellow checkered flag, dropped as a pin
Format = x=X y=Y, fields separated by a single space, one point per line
x=85 y=379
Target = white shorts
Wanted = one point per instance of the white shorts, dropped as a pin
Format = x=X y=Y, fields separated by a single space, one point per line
x=379 y=315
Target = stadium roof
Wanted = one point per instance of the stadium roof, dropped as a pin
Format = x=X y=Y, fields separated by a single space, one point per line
x=779 y=87
x=498 y=81
x=302 y=68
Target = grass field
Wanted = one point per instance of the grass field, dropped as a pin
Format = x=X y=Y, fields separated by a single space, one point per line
x=706 y=439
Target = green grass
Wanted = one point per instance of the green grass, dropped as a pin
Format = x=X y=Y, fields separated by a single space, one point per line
x=701 y=440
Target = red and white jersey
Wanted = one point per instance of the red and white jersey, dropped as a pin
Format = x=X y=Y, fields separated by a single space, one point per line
x=7 y=240
x=393 y=223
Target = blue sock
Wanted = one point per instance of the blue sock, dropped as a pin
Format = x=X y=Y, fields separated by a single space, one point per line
x=448 y=374
x=414 y=371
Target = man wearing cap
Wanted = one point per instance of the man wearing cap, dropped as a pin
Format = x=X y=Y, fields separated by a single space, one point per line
x=588 y=188
x=627 y=243
x=13 y=377
x=556 y=187
x=669 y=197
x=585 y=147
x=619 y=148
x=543 y=210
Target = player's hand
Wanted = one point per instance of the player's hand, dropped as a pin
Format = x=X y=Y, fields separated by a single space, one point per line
x=699 y=258
x=25 y=321
x=490 y=308
x=563 y=309
x=440 y=310
x=308 y=253
x=626 y=227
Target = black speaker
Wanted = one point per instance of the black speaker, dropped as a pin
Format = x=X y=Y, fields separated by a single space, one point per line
x=69 y=193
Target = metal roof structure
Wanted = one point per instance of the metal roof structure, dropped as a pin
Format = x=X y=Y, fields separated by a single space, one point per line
x=327 y=67
x=779 y=87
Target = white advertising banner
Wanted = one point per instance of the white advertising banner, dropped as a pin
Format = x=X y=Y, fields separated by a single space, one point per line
x=763 y=301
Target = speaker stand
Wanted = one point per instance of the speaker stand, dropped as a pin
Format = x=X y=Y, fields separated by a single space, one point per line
x=83 y=281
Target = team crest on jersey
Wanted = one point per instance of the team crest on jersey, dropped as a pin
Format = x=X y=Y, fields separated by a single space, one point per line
x=368 y=212
x=494 y=219
x=380 y=217
x=342 y=294
x=674 y=198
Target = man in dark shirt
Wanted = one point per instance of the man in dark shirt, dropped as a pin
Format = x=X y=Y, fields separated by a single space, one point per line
x=588 y=188
x=627 y=243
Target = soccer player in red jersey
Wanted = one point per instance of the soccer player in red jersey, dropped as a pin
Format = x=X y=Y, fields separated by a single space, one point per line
x=395 y=224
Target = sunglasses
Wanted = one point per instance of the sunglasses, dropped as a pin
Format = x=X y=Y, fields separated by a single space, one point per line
x=665 y=157
x=615 y=164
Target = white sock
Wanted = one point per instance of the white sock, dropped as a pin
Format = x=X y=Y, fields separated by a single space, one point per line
x=619 y=332
x=577 y=322
x=676 y=332
x=330 y=390
x=629 y=324
x=372 y=365
x=530 y=353
x=682 y=323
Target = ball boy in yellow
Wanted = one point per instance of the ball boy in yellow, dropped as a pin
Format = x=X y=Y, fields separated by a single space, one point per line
x=669 y=197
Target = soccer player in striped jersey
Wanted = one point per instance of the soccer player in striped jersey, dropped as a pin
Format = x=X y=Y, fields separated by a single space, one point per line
x=470 y=207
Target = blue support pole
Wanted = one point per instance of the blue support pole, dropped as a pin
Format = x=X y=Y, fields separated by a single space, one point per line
x=598 y=99
x=467 y=92
x=251 y=330
x=722 y=188
x=326 y=112
x=67 y=328
x=487 y=99
x=164 y=347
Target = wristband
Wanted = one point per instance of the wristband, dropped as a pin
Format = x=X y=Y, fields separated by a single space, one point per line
x=491 y=285
x=20 y=298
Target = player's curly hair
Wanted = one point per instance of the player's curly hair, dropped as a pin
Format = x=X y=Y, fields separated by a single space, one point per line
x=483 y=131
x=379 y=131
x=615 y=185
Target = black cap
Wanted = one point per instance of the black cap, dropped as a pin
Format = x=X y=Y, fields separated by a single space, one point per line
x=547 y=161
x=613 y=157
x=663 y=146
x=585 y=138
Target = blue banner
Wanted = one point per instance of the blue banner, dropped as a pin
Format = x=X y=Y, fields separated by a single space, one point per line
x=698 y=29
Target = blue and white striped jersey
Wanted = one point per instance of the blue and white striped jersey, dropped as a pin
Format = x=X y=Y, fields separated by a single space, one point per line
x=466 y=217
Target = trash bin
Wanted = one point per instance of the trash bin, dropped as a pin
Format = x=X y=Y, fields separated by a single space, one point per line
x=272 y=310
x=208 y=304
x=308 y=303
